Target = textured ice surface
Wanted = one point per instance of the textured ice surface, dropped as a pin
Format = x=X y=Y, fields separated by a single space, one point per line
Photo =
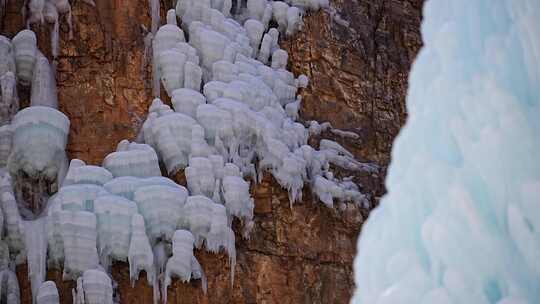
x=80 y=173
x=79 y=236
x=140 y=256
x=48 y=294
x=183 y=263
x=96 y=286
x=43 y=84
x=161 y=207
x=25 y=47
x=35 y=241
x=39 y=142
x=114 y=215
x=131 y=159
x=460 y=222
x=9 y=287
x=13 y=223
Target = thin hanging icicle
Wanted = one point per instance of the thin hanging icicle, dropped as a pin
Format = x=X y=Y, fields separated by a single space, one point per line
x=35 y=241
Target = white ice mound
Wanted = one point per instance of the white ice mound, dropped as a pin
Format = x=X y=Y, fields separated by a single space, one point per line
x=25 y=46
x=461 y=220
x=132 y=159
x=114 y=215
x=127 y=185
x=79 y=236
x=198 y=211
x=97 y=287
x=48 y=294
x=80 y=173
x=39 y=142
x=161 y=207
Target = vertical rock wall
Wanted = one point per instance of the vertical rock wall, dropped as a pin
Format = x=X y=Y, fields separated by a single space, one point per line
x=358 y=75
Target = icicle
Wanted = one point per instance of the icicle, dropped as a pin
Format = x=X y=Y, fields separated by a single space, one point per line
x=35 y=240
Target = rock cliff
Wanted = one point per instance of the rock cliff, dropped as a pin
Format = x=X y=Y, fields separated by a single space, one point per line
x=357 y=56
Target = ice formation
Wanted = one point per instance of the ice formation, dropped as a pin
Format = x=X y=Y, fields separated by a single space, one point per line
x=132 y=159
x=25 y=51
x=183 y=263
x=233 y=117
x=48 y=294
x=460 y=222
x=49 y=11
x=94 y=287
x=35 y=241
x=9 y=287
x=161 y=207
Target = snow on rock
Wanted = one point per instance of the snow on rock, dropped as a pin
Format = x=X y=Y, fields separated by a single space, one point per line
x=48 y=294
x=460 y=222
x=132 y=159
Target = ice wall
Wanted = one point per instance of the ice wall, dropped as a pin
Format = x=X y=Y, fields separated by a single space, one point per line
x=460 y=222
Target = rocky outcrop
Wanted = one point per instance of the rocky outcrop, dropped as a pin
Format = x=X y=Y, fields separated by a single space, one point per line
x=357 y=59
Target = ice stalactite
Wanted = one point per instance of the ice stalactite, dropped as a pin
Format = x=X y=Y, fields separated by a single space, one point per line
x=35 y=241
x=183 y=263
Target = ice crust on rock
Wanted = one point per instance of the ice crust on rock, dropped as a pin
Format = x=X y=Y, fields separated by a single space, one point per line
x=49 y=11
x=248 y=109
x=460 y=222
x=182 y=263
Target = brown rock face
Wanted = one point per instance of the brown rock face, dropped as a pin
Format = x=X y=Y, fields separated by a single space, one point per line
x=358 y=59
x=358 y=79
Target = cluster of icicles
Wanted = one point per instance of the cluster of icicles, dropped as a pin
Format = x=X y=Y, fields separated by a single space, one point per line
x=49 y=11
x=233 y=118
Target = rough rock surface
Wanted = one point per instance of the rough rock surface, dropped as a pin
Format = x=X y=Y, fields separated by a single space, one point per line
x=358 y=80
